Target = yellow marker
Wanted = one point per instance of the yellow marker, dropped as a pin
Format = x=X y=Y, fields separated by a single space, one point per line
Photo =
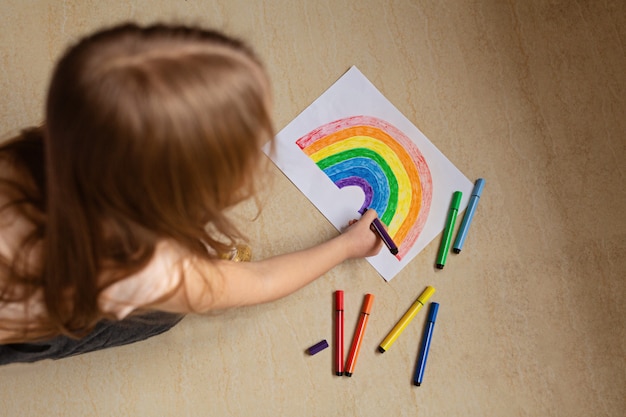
x=406 y=319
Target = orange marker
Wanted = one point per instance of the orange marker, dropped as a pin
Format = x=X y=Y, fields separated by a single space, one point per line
x=358 y=334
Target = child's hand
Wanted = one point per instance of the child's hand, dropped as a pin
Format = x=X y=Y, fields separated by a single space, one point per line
x=360 y=238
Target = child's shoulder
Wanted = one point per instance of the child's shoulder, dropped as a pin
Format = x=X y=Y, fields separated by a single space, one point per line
x=161 y=276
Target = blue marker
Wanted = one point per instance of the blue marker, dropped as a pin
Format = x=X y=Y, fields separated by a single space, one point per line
x=469 y=215
x=428 y=335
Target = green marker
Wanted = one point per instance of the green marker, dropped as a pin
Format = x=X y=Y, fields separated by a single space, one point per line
x=447 y=232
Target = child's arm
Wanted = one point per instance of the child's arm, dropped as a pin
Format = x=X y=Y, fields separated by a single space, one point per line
x=224 y=284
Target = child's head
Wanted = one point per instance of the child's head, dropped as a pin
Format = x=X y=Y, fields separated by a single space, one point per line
x=161 y=126
x=150 y=134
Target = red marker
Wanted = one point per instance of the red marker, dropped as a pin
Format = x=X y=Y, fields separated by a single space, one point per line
x=339 y=333
x=358 y=334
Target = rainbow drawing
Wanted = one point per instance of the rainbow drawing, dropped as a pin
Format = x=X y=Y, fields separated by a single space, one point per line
x=370 y=153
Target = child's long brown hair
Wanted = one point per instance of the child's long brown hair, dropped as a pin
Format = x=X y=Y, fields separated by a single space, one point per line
x=150 y=134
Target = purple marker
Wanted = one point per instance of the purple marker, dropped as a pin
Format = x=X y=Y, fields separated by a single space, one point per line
x=382 y=232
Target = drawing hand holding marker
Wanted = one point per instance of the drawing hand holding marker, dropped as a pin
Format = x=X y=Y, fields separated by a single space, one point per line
x=377 y=226
x=406 y=319
x=447 y=232
x=469 y=215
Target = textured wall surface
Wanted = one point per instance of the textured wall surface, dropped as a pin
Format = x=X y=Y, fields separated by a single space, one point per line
x=530 y=95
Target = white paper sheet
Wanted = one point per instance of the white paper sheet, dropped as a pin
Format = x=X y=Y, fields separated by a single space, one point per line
x=369 y=149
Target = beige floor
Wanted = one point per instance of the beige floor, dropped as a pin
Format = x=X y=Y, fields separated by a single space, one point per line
x=529 y=95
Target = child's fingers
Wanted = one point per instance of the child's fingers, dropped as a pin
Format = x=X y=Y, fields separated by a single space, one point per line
x=369 y=215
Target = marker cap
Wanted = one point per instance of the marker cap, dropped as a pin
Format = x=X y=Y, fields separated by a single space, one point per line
x=478 y=187
x=318 y=347
x=456 y=200
x=339 y=300
x=367 y=303
x=428 y=292
x=432 y=313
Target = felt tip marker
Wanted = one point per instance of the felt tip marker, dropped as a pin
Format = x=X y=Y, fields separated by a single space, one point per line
x=380 y=230
x=339 y=333
x=357 y=340
x=406 y=319
x=428 y=336
x=469 y=215
x=444 y=248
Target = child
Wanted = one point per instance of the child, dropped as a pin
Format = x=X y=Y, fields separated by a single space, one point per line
x=112 y=213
